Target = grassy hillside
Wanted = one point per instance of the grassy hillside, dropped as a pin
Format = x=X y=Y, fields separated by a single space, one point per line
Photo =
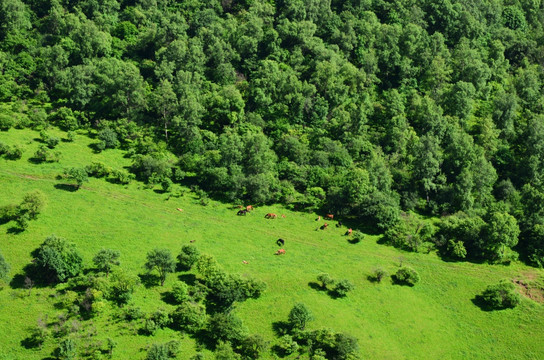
x=435 y=319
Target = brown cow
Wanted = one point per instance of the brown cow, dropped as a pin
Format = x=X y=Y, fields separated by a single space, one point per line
x=280 y=252
x=283 y=216
x=178 y=209
x=349 y=231
x=318 y=218
x=329 y=216
x=270 y=216
x=324 y=226
x=249 y=208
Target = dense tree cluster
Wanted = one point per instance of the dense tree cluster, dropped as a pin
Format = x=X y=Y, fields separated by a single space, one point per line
x=362 y=108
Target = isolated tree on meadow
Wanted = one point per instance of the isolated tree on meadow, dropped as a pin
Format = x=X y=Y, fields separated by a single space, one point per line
x=105 y=259
x=325 y=280
x=299 y=316
x=79 y=175
x=162 y=261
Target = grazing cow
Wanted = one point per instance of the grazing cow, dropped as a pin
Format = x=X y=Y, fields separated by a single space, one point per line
x=280 y=242
x=245 y=262
x=324 y=226
x=283 y=216
x=178 y=209
x=348 y=233
x=192 y=241
x=249 y=208
x=318 y=218
x=280 y=252
x=270 y=216
x=241 y=212
x=329 y=216
x=240 y=206
x=339 y=224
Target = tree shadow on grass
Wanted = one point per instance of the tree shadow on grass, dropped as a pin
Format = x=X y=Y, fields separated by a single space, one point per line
x=169 y=298
x=14 y=230
x=189 y=279
x=66 y=187
x=30 y=342
x=95 y=147
x=149 y=280
x=281 y=328
x=478 y=300
x=354 y=241
x=316 y=286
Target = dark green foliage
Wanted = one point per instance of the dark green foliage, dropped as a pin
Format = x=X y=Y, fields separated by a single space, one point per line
x=224 y=351
x=299 y=316
x=342 y=288
x=57 y=260
x=4 y=268
x=254 y=346
x=189 y=317
x=162 y=261
x=501 y=295
x=78 y=175
x=406 y=276
x=364 y=109
x=122 y=286
x=188 y=256
x=105 y=259
x=226 y=327
x=108 y=138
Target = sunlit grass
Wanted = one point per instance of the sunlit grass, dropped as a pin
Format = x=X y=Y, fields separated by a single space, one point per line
x=436 y=319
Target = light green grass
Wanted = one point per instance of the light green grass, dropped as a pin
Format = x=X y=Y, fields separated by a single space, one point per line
x=436 y=319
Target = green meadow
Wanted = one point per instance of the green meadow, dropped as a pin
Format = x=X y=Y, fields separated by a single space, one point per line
x=436 y=319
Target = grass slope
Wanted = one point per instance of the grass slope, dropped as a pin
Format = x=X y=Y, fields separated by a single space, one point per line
x=435 y=319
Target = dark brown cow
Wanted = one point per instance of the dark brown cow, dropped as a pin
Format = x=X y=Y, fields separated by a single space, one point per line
x=280 y=242
x=242 y=212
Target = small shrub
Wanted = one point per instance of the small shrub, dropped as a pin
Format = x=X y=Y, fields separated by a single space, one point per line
x=188 y=256
x=67 y=350
x=501 y=296
x=357 y=237
x=70 y=136
x=378 y=274
x=343 y=287
x=15 y=152
x=98 y=169
x=121 y=177
x=406 y=276
x=132 y=313
x=50 y=141
x=79 y=175
x=6 y=122
x=108 y=138
x=325 y=280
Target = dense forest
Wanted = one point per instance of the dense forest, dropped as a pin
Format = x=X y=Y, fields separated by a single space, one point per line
x=371 y=109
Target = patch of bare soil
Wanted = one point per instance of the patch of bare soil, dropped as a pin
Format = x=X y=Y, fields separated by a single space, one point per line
x=531 y=287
